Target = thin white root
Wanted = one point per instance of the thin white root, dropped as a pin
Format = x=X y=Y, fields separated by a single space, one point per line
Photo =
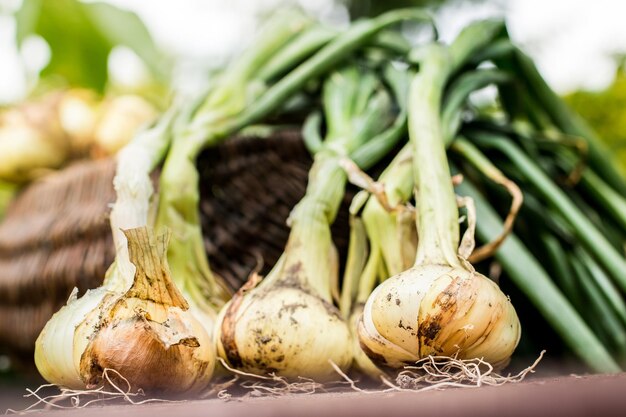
x=115 y=388
x=437 y=372
x=352 y=382
x=431 y=373
x=272 y=385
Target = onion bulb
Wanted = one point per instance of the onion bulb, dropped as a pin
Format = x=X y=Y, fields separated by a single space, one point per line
x=120 y=118
x=146 y=334
x=284 y=326
x=288 y=324
x=438 y=310
x=78 y=111
x=31 y=142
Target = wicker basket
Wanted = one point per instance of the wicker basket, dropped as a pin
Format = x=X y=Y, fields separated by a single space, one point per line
x=56 y=233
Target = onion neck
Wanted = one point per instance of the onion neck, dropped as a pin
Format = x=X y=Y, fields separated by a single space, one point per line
x=133 y=188
x=383 y=227
x=178 y=212
x=437 y=214
x=437 y=219
x=310 y=248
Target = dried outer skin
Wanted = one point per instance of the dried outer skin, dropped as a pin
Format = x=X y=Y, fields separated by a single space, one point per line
x=59 y=340
x=438 y=310
x=159 y=349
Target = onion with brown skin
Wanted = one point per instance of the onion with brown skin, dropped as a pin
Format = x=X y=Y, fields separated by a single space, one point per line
x=146 y=334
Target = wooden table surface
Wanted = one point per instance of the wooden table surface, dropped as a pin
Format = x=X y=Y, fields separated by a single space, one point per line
x=595 y=395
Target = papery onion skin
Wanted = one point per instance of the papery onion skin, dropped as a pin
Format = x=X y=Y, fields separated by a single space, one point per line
x=438 y=310
x=138 y=348
x=57 y=342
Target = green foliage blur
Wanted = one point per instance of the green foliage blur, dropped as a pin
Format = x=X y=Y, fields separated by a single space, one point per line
x=606 y=113
x=81 y=36
x=6 y=192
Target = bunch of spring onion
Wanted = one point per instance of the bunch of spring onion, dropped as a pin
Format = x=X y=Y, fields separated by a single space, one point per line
x=569 y=266
x=93 y=332
x=245 y=96
x=158 y=305
x=287 y=323
x=441 y=305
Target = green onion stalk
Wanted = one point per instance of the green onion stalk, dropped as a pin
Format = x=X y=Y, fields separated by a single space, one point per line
x=584 y=230
x=390 y=224
x=586 y=286
x=568 y=324
x=287 y=324
x=591 y=204
x=606 y=300
x=566 y=120
x=585 y=276
x=548 y=113
x=382 y=243
x=236 y=88
x=597 y=192
x=558 y=259
x=440 y=306
x=531 y=276
x=366 y=256
x=547 y=298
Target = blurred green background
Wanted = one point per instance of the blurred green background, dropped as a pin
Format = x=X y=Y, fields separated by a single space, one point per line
x=605 y=110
